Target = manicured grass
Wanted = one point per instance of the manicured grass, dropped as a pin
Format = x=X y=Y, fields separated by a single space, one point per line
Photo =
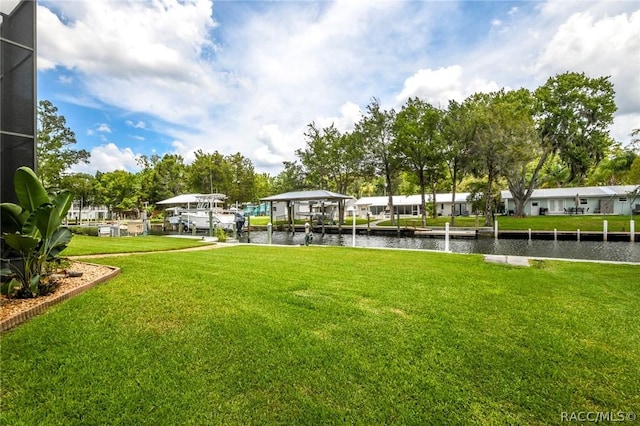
x=324 y=335
x=538 y=223
x=83 y=245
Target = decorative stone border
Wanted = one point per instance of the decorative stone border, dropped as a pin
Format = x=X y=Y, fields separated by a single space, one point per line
x=24 y=316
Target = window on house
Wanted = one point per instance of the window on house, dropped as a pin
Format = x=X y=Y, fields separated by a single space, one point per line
x=622 y=199
x=583 y=201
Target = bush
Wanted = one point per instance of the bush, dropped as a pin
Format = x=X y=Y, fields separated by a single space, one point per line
x=33 y=230
x=91 y=231
x=221 y=235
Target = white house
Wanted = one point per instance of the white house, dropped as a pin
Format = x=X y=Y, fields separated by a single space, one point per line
x=617 y=199
x=409 y=205
x=87 y=213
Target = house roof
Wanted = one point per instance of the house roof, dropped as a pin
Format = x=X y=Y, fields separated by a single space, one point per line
x=191 y=198
x=584 y=191
x=411 y=200
x=317 y=195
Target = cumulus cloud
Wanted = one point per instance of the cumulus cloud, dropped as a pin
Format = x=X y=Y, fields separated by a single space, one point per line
x=440 y=86
x=609 y=45
x=108 y=158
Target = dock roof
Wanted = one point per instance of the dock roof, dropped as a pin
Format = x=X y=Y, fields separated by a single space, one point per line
x=315 y=195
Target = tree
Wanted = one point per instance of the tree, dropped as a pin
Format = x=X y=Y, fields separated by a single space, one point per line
x=209 y=173
x=520 y=143
x=332 y=160
x=54 y=139
x=614 y=168
x=82 y=186
x=458 y=130
x=420 y=147
x=573 y=113
x=169 y=178
x=376 y=127
x=292 y=178
x=487 y=146
x=119 y=190
x=243 y=187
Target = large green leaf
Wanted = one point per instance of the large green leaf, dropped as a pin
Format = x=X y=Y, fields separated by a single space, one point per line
x=48 y=220
x=29 y=190
x=63 y=201
x=12 y=217
x=22 y=243
x=58 y=242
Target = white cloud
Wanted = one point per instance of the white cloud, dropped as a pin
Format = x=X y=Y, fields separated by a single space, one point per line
x=107 y=158
x=103 y=127
x=138 y=125
x=439 y=86
x=609 y=45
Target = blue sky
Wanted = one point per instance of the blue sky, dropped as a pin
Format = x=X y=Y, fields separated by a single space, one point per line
x=168 y=76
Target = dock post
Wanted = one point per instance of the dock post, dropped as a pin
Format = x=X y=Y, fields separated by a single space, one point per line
x=578 y=235
x=555 y=234
x=446 y=237
x=210 y=223
x=632 y=230
x=354 y=227
x=269 y=232
x=495 y=229
x=529 y=234
x=604 y=230
x=368 y=223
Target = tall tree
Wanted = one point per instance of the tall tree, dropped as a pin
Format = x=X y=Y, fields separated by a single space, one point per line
x=376 y=127
x=54 y=141
x=119 y=190
x=458 y=130
x=487 y=146
x=420 y=146
x=332 y=160
x=573 y=114
x=210 y=173
x=242 y=188
x=520 y=142
x=169 y=178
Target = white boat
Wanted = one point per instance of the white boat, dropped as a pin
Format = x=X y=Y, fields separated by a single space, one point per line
x=208 y=212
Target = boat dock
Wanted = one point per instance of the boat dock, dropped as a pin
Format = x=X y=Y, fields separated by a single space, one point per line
x=455 y=233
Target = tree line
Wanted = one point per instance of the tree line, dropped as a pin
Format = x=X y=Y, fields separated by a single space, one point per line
x=556 y=135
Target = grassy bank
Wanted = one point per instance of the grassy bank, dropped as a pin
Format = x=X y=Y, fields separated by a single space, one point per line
x=539 y=223
x=317 y=335
x=83 y=245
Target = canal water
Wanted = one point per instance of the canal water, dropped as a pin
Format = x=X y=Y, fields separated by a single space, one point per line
x=593 y=250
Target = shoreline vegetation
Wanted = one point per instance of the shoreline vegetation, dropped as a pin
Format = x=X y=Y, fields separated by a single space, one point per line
x=255 y=334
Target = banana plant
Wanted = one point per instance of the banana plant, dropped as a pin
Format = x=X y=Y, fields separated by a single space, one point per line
x=33 y=229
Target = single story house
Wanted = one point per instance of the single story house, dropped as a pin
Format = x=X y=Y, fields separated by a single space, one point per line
x=615 y=199
x=409 y=205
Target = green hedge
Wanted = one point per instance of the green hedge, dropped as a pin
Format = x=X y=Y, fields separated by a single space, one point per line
x=92 y=231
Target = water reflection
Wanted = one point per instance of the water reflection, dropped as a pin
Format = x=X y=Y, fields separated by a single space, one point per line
x=594 y=250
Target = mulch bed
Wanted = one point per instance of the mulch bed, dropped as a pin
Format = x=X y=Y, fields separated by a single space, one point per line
x=16 y=311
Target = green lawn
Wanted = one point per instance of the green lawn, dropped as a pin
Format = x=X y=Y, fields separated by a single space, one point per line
x=539 y=223
x=83 y=245
x=324 y=335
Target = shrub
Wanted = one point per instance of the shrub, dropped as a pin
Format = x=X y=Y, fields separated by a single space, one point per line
x=33 y=230
x=221 y=235
x=91 y=231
